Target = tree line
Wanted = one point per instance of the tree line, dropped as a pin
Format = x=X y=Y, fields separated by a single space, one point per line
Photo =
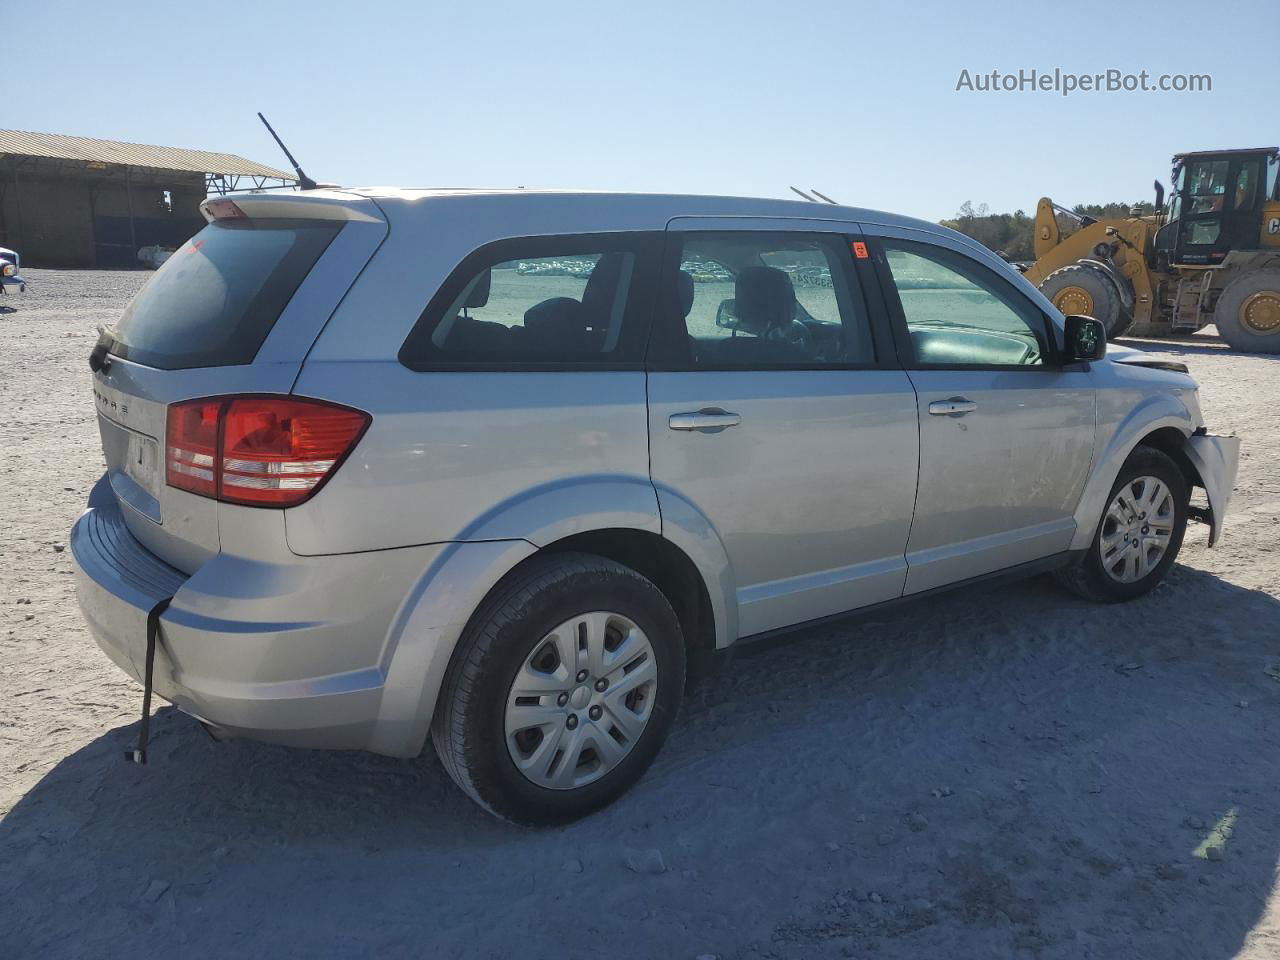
x=1013 y=234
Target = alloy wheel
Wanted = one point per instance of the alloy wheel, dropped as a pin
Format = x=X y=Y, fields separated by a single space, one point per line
x=1136 y=529
x=580 y=700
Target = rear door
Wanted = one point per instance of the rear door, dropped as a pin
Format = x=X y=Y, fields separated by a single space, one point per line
x=1006 y=431
x=234 y=310
x=776 y=412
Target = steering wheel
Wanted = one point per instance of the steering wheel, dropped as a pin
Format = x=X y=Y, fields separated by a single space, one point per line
x=795 y=334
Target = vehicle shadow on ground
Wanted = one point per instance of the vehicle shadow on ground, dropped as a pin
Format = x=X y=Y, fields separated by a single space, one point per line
x=1000 y=771
x=1191 y=345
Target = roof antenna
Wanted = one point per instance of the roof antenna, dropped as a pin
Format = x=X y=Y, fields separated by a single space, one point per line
x=824 y=196
x=305 y=182
x=792 y=189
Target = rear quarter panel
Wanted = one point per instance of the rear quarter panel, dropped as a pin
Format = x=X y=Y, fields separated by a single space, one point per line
x=479 y=456
x=179 y=526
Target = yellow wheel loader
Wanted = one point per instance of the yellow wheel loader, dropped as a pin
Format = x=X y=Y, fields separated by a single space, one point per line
x=1212 y=257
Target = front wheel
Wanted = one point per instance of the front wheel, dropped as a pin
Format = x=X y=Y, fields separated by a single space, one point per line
x=1139 y=534
x=562 y=689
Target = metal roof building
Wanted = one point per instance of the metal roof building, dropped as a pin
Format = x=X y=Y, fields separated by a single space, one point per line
x=78 y=201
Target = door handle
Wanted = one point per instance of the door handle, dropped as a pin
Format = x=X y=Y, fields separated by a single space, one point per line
x=706 y=420
x=955 y=407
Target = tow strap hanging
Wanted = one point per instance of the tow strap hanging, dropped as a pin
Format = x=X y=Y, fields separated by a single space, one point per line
x=144 y=730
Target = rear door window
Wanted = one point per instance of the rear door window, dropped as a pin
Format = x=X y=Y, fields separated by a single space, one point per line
x=764 y=300
x=214 y=301
x=539 y=301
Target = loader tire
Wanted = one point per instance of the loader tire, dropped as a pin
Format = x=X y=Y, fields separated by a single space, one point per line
x=1122 y=326
x=1080 y=288
x=1248 y=312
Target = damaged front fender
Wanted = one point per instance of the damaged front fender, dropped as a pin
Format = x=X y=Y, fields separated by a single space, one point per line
x=1216 y=460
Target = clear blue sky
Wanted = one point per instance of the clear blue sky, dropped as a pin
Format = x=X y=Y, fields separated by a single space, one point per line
x=855 y=99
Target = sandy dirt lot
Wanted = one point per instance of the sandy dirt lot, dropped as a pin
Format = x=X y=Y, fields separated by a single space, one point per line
x=1005 y=772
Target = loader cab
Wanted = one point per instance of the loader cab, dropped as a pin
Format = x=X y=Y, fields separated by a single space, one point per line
x=1216 y=205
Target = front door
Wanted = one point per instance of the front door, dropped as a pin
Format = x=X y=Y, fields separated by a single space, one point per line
x=1006 y=433
x=776 y=415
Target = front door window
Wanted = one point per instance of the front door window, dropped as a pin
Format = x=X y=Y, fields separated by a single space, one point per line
x=956 y=312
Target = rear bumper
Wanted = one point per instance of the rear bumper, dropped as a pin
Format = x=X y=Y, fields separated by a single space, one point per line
x=292 y=651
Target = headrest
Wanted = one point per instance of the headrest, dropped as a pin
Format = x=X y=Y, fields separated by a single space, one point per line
x=684 y=292
x=602 y=286
x=478 y=295
x=557 y=314
x=764 y=299
x=560 y=324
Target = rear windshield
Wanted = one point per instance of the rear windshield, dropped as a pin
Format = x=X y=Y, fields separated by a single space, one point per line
x=214 y=301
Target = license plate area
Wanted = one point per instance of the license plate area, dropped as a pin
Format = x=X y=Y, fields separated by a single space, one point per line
x=133 y=466
x=143 y=463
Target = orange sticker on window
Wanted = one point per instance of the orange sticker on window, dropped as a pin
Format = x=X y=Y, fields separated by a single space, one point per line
x=860 y=250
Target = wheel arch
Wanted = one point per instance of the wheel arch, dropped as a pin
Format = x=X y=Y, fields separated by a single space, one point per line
x=616 y=517
x=627 y=517
x=424 y=640
x=1159 y=422
x=1172 y=442
x=671 y=570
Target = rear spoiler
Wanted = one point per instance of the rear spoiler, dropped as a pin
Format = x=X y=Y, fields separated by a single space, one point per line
x=311 y=205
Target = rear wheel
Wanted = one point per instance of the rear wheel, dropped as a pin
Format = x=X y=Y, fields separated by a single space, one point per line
x=1084 y=290
x=1139 y=534
x=562 y=690
x=1248 y=312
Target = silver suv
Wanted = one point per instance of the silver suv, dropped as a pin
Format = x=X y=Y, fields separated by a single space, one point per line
x=507 y=468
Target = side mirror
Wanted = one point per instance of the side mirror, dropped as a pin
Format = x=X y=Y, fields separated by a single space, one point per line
x=1086 y=338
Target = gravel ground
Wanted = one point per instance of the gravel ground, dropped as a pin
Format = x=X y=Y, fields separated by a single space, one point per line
x=1007 y=771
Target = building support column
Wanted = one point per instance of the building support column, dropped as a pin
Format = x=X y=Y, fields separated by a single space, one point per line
x=133 y=231
x=17 y=202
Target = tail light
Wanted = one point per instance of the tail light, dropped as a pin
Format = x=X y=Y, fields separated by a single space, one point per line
x=261 y=451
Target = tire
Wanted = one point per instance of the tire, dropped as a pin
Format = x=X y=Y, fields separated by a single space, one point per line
x=1122 y=325
x=1086 y=290
x=1248 y=312
x=516 y=632
x=1088 y=575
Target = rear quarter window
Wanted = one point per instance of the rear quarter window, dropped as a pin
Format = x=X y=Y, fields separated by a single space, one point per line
x=214 y=302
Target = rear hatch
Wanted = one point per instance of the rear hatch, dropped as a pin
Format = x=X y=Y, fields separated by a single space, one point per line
x=234 y=311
